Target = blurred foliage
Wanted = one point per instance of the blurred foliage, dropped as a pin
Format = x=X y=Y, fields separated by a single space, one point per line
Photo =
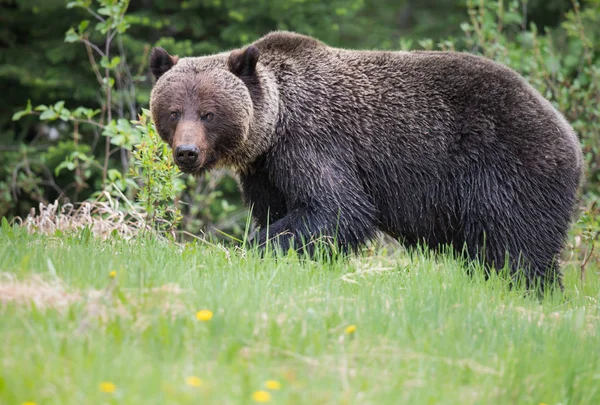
x=61 y=55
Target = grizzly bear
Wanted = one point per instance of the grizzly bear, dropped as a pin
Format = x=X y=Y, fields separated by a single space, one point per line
x=430 y=147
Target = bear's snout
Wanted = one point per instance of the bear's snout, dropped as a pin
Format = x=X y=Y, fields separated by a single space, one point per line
x=187 y=155
x=190 y=146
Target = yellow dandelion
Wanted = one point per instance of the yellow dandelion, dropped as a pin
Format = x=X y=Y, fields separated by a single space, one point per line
x=113 y=274
x=350 y=329
x=204 y=315
x=261 y=396
x=273 y=385
x=108 y=387
x=28 y=403
x=193 y=381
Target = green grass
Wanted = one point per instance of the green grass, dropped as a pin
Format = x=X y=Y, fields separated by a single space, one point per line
x=426 y=332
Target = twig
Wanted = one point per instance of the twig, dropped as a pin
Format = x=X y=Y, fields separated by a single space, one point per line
x=131 y=93
x=92 y=12
x=109 y=36
x=88 y=48
x=92 y=45
x=588 y=256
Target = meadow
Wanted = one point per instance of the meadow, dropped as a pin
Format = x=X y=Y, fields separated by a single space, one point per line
x=146 y=321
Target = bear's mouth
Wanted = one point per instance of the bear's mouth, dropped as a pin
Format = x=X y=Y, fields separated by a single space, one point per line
x=199 y=168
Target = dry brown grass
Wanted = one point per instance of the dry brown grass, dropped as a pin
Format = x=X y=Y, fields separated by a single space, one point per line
x=97 y=305
x=103 y=218
x=36 y=291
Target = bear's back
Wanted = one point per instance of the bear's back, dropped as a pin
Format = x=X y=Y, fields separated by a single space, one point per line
x=419 y=94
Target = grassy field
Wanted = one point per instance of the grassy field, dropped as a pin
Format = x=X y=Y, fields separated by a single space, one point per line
x=84 y=321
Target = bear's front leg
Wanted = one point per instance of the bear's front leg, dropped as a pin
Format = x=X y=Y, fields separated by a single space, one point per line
x=299 y=229
x=305 y=228
x=325 y=202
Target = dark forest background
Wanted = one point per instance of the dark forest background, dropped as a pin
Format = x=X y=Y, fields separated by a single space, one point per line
x=85 y=63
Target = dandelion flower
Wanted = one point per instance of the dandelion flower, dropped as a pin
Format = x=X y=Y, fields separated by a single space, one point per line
x=193 y=381
x=28 y=403
x=107 y=387
x=273 y=385
x=204 y=315
x=350 y=329
x=113 y=274
x=261 y=396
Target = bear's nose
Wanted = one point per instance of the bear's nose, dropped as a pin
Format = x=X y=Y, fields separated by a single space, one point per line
x=186 y=155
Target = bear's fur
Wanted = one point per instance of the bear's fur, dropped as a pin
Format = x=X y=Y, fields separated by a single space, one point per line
x=430 y=147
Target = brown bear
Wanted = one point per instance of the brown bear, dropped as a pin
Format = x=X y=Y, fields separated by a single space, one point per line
x=431 y=147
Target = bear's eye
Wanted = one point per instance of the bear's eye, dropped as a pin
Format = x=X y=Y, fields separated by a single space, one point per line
x=174 y=114
x=207 y=117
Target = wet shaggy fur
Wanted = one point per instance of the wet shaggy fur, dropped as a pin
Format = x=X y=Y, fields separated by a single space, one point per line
x=430 y=147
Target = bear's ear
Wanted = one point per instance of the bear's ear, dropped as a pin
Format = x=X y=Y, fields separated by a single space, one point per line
x=161 y=61
x=243 y=63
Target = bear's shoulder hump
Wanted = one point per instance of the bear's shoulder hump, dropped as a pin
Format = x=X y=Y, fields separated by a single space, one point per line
x=288 y=42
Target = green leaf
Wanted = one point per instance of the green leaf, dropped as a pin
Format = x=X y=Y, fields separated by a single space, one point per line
x=102 y=26
x=79 y=3
x=83 y=25
x=123 y=125
x=80 y=112
x=110 y=130
x=48 y=115
x=123 y=26
x=65 y=164
x=117 y=140
x=114 y=62
x=104 y=11
x=236 y=16
x=82 y=156
x=59 y=106
x=88 y=113
x=71 y=36
x=114 y=174
x=65 y=114
x=17 y=116
x=91 y=113
x=111 y=81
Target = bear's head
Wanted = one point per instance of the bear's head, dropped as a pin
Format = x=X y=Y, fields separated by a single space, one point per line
x=211 y=110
